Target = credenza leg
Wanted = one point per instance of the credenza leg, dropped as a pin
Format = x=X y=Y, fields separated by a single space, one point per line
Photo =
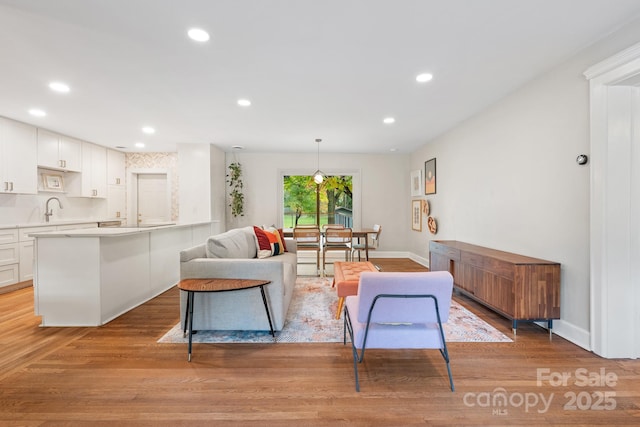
x=514 y=326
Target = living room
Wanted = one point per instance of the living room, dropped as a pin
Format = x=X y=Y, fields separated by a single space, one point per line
x=507 y=179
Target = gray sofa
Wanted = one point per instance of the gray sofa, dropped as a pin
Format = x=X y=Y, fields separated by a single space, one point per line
x=232 y=254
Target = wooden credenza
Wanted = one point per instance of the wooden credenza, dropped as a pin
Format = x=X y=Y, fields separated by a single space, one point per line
x=515 y=286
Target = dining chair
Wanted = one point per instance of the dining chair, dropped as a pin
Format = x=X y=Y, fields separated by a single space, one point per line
x=324 y=230
x=308 y=239
x=398 y=311
x=325 y=226
x=373 y=242
x=336 y=239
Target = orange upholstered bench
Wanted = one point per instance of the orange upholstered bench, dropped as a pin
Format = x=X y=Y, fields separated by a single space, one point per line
x=346 y=276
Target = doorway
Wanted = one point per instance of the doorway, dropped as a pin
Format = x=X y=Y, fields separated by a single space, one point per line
x=150 y=202
x=152 y=199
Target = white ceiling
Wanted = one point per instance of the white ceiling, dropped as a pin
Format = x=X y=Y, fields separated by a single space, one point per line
x=330 y=69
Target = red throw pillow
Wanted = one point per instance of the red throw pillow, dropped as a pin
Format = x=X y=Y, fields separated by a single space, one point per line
x=267 y=242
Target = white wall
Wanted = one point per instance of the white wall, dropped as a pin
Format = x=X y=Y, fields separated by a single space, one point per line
x=201 y=175
x=507 y=178
x=384 y=189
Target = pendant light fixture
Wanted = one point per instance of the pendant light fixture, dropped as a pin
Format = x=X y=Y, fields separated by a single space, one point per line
x=318 y=176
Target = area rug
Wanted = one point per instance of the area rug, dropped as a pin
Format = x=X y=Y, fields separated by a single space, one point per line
x=311 y=318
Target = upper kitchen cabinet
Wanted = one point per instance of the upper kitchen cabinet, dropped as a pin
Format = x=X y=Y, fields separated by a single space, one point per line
x=115 y=167
x=94 y=170
x=59 y=152
x=116 y=190
x=18 y=157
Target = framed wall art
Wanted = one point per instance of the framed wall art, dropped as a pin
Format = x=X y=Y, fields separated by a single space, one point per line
x=416 y=215
x=416 y=183
x=430 y=176
x=52 y=182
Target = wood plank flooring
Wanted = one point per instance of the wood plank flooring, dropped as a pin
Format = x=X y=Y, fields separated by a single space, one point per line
x=119 y=375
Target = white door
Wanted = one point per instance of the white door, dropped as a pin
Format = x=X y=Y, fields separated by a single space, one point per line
x=153 y=199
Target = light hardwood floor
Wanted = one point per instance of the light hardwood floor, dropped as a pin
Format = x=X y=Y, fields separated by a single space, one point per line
x=119 y=375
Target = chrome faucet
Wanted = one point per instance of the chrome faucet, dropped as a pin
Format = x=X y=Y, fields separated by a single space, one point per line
x=48 y=212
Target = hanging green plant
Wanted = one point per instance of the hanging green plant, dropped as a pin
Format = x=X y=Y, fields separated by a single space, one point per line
x=234 y=178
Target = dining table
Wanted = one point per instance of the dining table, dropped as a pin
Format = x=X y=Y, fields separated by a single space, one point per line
x=358 y=233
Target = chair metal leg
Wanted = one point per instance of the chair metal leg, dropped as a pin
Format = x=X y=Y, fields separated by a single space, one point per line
x=450 y=376
x=355 y=367
x=443 y=350
x=356 y=359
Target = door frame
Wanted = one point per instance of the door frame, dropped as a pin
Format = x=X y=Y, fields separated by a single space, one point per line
x=614 y=180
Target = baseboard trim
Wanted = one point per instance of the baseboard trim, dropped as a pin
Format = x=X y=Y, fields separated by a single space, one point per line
x=16 y=286
x=570 y=332
x=420 y=260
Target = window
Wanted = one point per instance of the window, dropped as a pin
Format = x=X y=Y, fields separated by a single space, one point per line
x=305 y=202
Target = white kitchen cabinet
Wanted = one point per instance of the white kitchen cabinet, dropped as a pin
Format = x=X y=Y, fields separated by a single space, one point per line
x=8 y=275
x=115 y=167
x=94 y=171
x=18 y=157
x=9 y=253
x=8 y=235
x=9 y=257
x=26 y=261
x=59 y=152
x=116 y=189
x=116 y=202
x=26 y=250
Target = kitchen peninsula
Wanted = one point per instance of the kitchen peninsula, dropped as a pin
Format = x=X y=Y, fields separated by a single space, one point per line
x=88 y=277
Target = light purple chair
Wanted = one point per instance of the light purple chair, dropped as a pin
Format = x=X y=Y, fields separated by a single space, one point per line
x=399 y=311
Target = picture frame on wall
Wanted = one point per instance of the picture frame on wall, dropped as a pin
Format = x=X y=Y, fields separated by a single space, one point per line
x=430 y=176
x=416 y=183
x=416 y=215
x=52 y=182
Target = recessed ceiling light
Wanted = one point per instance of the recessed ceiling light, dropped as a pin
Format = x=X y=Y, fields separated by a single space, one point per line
x=148 y=130
x=237 y=147
x=424 y=77
x=37 y=112
x=139 y=144
x=59 y=87
x=388 y=120
x=244 y=102
x=393 y=150
x=198 y=34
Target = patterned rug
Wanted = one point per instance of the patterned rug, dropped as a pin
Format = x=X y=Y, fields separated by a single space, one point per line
x=311 y=318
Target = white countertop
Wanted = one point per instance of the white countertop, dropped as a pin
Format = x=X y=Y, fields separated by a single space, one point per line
x=50 y=224
x=110 y=231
